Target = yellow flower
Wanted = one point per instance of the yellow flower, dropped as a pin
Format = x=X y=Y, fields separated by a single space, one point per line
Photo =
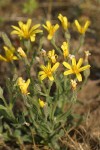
x=65 y=48
x=48 y=71
x=23 y=85
x=9 y=54
x=42 y=103
x=52 y=56
x=51 y=29
x=82 y=29
x=21 y=52
x=64 y=21
x=73 y=84
x=26 y=31
x=75 y=68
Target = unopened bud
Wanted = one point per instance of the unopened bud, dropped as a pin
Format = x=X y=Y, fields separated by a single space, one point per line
x=43 y=52
x=87 y=54
x=73 y=84
x=71 y=56
x=21 y=52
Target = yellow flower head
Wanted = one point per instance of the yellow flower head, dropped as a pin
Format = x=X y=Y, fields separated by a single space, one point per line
x=65 y=48
x=26 y=31
x=9 y=54
x=51 y=29
x=21 y=52
x=41 y=103
x=75 y=68
x=73 y=84
x=82 y=29
x=52 y=56
x=64 y=21
x=23 y=85
x=48 y=71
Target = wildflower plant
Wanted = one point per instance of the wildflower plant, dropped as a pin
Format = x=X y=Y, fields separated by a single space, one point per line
x=46 y=88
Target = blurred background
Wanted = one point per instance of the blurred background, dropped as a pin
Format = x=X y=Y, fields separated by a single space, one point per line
x=12 y=11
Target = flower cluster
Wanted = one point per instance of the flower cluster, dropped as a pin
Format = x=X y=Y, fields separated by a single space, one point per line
x=53 y=78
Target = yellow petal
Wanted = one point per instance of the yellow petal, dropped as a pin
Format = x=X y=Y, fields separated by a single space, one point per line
x=17 y=32
x=67 y=65
x=56 y=27
x=42 y=77
x=2 y=58
x=55 y=67
x=51 y=78
x=42 y=67
x=14 y=58
x=78 y=25
x=20 y=24
x=41 y=72
x=48 y=23
x=73 y=61
x=16 y=28
x=68 y=72
x=79 y=77
x=45 y=27
x=29 y=21
x=27 y=83
x=34 y=28
x=36 y=31
x=32 y=38
x=50 y=37
x=84 y=68
x=79 y=63
x=60 y=17
x=86 y=25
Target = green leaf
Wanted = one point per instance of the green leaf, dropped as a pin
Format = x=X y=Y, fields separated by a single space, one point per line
x=3 y=108
x=6 y=40
x=1 y=93
x=63 y=116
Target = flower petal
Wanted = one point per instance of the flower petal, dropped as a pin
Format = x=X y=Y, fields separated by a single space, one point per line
x=42 y=67
x=51 y=78
x=48 y=23
x=67 y=65
x=55 y=67
x=68 y=72
x=73 y=61
x=20 y=24
x=41 y=72
x=84 y=68
x=34 y=28
x=16 y=28
x=79 y=63
x=86 y=25
x=50 y=37
x=3 y=58
x=56 y=27
x=15 y=58
x=79 y=77
x=78 y=25
x=42 y=77
x=32 y=38
x=29 y=21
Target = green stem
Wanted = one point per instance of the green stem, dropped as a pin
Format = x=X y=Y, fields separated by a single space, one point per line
x=81 y=42
x=55 y=46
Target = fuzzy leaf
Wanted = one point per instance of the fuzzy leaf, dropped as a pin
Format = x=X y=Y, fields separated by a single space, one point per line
x=6 y=40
